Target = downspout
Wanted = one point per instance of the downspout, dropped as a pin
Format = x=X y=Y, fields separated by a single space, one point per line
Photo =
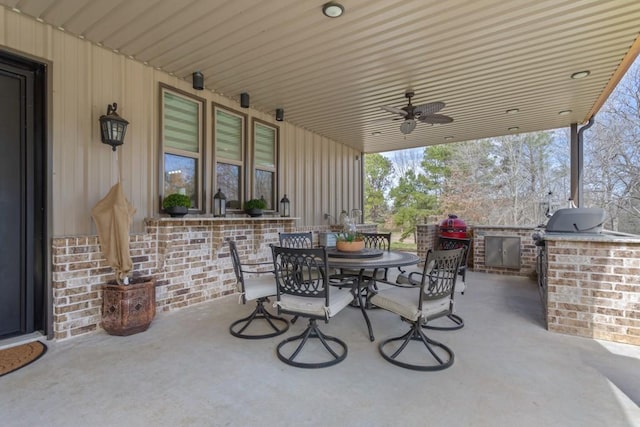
x=362 y=186
x=577 y=163
x=580 y=157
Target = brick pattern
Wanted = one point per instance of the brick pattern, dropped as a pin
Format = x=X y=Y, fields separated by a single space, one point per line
x=189 y=260
x=594 y=289
x=528 y=250
x=427 y=235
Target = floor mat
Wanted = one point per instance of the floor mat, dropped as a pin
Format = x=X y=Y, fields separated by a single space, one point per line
x=19 y=356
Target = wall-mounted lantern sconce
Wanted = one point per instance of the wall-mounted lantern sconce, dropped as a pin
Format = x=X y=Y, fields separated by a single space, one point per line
x=113 y=127
x=198 y=80
x=219 y=204
x=285 y=207
x=244 y=100
x=279 y=114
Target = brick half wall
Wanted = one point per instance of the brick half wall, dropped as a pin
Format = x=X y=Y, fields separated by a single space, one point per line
x=189 y=259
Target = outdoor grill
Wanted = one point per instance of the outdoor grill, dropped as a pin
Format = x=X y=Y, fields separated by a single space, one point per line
x=563 y=221
x=576 y=220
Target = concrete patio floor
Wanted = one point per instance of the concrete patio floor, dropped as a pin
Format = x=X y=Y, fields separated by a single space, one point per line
x=187 y=370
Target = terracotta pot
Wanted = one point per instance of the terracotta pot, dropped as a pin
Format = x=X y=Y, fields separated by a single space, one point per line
x=355 y=246
x=128 y=309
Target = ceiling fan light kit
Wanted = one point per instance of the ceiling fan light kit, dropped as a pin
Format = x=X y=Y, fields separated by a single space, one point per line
x=408 y=126
x=424 y=113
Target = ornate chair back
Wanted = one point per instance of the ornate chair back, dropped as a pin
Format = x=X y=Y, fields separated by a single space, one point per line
x=296 y=240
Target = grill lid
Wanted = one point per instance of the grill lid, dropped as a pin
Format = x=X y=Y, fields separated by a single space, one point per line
x=577 y=220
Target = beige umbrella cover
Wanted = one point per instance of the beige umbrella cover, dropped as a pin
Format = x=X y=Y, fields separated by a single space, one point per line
x=113 y=216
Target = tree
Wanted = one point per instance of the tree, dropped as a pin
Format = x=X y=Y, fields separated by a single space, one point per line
x=378 y=171
x=612 y=156
x=412 y=202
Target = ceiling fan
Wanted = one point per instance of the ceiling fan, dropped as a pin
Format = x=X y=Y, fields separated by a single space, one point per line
x=424 y=113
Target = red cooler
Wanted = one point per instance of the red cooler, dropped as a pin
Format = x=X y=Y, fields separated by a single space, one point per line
x=453 y=227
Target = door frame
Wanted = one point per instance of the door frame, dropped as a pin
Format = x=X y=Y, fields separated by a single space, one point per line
x=43 y=167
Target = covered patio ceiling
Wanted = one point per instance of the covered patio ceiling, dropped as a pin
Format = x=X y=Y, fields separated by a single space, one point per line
x=331 y=75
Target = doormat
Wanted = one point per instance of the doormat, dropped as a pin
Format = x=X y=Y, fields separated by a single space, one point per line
x=16 y=357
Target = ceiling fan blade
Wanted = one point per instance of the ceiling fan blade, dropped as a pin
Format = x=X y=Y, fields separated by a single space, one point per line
x=394 y=110
x=428 y=108
x=435 y=119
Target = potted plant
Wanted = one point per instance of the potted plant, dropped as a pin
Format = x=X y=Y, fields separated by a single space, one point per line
x=128 y=302
x=254 y=207
x=350 y=241
x=176 y=204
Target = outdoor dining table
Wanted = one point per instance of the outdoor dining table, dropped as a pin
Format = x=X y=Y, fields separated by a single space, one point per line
x=368 y=259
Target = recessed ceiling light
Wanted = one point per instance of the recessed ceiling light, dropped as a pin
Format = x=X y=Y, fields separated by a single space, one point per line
x=16 y=10
x=580 y=74
x=512 y=111
x=564 y=112
x=513 y=129
x=332 y=9
x=376 y=133
x=61 y=28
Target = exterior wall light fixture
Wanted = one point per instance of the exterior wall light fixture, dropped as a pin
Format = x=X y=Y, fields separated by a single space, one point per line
x=112 y=127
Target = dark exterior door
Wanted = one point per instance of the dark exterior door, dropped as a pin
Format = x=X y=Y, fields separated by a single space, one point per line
x=22 y=195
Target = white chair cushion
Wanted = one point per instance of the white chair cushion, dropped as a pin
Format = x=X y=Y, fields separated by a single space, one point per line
x=404 y=302
x=401 y=301
x=259 y=286
x=338 y=299
x=436 y=308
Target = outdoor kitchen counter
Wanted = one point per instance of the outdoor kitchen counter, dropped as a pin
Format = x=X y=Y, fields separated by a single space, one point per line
x=605 y=236
x=210 y=218
x=590 y=285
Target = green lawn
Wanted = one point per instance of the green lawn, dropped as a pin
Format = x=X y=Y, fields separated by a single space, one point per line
x=402 y=246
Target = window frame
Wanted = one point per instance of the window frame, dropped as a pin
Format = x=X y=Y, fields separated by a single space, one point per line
x=275 y=202
x=201 y=157
x=242 y=163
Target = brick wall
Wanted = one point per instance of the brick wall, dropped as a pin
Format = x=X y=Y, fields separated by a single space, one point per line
x=528 y=250
x=594 y=289
x=427 y=235
x=188 y=258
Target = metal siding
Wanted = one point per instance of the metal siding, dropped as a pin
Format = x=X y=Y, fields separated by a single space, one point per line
x=86 y=77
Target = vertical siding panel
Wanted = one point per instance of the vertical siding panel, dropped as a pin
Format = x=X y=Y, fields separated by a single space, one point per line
x=316 y=214
x=325 y=194
x=3 y=29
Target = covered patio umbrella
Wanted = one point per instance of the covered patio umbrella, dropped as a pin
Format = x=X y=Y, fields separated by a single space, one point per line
x=113 y=216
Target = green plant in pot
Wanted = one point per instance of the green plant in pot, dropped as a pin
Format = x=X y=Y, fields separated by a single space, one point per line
x=254 y=207
x=176 y=204
x=350 y=240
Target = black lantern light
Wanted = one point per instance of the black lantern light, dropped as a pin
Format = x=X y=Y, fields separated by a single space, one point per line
x=219 y=204
x=285 y=206
x=113 y=127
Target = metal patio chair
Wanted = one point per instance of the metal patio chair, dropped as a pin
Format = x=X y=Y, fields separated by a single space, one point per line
x=414 y=278
x=259 y=286
x=304 y=290
x=419 y=305
x=296 y=240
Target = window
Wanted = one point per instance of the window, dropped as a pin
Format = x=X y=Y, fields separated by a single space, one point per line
x=229 y=136
x=182 y=145
x=264 y=161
